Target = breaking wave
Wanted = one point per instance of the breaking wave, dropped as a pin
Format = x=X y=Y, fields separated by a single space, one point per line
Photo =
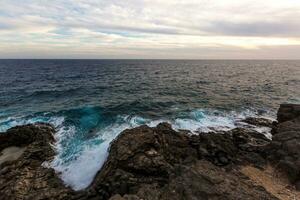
x=83 y=135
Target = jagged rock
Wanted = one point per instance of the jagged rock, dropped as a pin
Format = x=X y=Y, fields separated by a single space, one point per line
x=155 y=163
x=236 y=146
x=285 y=146
x=24 y=135
x=259 y=121
x=288 y=112
x=25 y=177
x=201 y=180
x=160 y=163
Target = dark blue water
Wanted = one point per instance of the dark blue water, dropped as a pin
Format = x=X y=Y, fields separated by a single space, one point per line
x=91 y=101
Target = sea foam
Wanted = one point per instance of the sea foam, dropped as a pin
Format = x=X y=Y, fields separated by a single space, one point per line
x=82 y=152
x=81 y=170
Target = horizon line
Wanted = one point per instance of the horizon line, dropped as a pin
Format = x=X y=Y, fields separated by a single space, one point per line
x=249 y=59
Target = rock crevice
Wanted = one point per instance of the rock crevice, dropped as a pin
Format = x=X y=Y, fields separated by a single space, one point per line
x=161 y=163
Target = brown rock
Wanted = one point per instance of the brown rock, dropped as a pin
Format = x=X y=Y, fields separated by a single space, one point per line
x=24 y=177
x=156 y=163
x=160 y=163
x=284 y=149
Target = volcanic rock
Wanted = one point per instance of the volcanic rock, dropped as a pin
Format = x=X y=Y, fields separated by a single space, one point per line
x=160 y=163
x=288 y=112
x=259 y=121
x=285 y=146
x=24 y=177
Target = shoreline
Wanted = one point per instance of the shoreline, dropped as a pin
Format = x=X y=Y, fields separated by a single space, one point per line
x=159 y=162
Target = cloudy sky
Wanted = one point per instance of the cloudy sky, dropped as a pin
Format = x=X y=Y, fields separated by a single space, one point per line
x=181 y=29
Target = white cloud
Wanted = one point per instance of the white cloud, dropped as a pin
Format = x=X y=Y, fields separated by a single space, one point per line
x=143 y=28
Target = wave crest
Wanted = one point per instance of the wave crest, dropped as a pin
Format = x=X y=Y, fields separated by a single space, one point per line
x=84 y=134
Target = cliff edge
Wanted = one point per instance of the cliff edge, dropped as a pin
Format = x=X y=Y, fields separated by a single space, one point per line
x=161 y=163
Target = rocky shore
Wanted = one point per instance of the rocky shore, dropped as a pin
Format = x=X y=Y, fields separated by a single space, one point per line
x=161 y=163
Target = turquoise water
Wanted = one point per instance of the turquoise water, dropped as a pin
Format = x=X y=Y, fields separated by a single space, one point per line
x=91 y=101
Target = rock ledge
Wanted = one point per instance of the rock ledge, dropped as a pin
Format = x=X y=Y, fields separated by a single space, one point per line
x=161 y=163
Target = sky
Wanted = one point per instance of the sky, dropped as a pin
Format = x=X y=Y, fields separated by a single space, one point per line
x=150 y=29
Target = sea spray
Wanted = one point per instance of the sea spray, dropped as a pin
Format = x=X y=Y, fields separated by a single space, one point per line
x=83 y=135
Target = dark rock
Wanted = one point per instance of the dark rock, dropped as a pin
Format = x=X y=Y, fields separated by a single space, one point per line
x=152 y=163
x=297 y=185
x=259 y=121
x=24 y=135
x=288 y=112
x=284 y=150
x=160 y=163
x=25 y=178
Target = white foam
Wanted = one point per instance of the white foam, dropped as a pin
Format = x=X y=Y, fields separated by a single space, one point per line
x=18 y=121
x=87 y=156
x=80 y=172
x=207 y=121
x=154 y=123
x=264 y=130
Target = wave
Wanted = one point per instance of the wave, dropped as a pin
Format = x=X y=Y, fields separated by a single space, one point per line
x=9 y=122
x=84 y=134
x=53 y=93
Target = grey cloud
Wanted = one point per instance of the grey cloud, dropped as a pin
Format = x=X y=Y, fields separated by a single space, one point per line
x=103 y=16
x=157 y=26
x=285 y=29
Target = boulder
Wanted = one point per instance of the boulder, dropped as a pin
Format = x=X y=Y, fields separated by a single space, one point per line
x=284 y=150
x=161 y=163
x=288 y=112
x=24 y=177
x=152 y=163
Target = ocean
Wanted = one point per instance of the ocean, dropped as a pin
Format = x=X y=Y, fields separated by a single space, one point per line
x=91 y=101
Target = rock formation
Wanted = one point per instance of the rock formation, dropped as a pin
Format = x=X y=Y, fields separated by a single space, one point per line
x=285 y=145
x=25 y=177
x=259 y=122
x=161 y=163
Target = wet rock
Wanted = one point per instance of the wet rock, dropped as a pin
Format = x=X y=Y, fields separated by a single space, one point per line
x=153 y=163
x=259 y=121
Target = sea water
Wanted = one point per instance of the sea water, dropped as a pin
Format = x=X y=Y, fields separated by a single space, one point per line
x=91 y=101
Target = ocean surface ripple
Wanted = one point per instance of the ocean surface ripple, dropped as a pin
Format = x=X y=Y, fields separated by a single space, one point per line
x=91 y=101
